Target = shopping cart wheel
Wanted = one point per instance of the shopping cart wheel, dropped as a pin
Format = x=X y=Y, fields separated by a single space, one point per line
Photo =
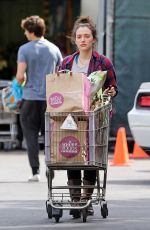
x=104 y=209
x=84 y=215
x=57 y=219
x=57 y=213
x=49 y=210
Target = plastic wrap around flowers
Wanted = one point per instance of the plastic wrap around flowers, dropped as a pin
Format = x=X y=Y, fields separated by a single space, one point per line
x=12 y=97
x=97 y=79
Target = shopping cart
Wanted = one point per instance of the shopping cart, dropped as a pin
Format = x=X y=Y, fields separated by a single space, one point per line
x=77 y=141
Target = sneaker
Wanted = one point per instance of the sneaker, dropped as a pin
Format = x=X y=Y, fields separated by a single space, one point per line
x=34 y=178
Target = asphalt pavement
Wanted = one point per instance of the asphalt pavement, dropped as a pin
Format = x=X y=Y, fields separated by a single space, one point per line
x=22 y=204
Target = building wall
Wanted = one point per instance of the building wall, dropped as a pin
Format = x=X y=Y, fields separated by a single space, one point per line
x=90 y=8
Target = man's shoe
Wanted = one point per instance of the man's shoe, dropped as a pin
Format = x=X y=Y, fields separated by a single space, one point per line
x=34 y=178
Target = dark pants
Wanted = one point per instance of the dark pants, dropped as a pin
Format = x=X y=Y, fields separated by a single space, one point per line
x=89 y=175
x=20 y=133
x=32 y=117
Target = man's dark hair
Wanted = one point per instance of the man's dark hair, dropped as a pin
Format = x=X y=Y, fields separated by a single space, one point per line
x=34 y=24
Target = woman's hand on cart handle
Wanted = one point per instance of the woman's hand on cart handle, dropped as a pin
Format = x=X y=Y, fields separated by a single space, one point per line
x=110 y=91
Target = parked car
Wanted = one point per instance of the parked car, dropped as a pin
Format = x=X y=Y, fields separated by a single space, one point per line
x=139 y=117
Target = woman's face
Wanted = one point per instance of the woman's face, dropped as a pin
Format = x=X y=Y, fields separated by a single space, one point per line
x=84 y=38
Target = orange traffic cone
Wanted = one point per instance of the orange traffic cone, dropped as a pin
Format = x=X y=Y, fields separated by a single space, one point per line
x=121 y=157
x=138 y=152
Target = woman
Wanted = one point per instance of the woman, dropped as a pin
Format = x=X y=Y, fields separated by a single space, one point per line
x=86 y=60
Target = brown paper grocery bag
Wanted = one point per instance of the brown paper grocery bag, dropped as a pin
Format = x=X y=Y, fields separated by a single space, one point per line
x=68 y=146
x=64 y=92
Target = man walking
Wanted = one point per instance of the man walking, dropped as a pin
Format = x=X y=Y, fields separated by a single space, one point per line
x=35 y=60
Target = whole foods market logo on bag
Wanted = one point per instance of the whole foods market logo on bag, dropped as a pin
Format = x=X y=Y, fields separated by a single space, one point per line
x=56 y=100
x=69 y=146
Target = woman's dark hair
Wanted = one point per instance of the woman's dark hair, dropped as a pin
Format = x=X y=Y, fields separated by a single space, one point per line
x=34 y=24
x=81 y=22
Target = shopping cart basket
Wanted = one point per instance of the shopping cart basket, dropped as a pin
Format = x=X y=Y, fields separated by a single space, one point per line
x=77 y=141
